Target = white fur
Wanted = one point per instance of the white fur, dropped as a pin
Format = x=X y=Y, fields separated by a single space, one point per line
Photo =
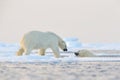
x=42 y=41
x=85 y=53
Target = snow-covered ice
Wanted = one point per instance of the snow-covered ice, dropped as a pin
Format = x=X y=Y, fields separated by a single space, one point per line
x=8 y=52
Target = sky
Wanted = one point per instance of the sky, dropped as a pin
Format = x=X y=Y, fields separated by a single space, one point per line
x=88 y=20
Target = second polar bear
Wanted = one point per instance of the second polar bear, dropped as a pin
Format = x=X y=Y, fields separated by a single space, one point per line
x=41 y=40
x=84 y=53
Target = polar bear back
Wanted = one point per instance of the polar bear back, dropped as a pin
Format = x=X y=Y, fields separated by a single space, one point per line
x=44 y=39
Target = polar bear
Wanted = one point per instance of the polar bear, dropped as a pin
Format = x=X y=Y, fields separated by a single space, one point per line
x=84 y=53
x=42 y=41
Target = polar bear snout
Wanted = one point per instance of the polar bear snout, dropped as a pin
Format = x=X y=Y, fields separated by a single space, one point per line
x=64 y=49
x=76 y=53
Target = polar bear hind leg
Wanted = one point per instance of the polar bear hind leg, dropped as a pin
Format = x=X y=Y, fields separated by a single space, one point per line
x=20 y=52
x=42 y=52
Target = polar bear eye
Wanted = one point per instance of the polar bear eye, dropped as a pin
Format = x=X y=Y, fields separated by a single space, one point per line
x=64 y=43
x=79 y=51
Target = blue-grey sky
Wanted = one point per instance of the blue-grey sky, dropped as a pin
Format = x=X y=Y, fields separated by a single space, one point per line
x=89 y=20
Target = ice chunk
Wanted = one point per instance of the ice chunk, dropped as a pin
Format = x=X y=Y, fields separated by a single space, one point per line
x=71 y=39
x=72 y=42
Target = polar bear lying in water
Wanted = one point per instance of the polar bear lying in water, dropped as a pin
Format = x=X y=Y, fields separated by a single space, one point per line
x=84 y=53
x=41 y=40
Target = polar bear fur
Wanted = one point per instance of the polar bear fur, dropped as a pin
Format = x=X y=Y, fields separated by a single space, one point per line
x=41 y=40
x=84 y=53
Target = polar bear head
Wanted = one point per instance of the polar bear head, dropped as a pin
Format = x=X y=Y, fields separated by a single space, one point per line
x=62 y=45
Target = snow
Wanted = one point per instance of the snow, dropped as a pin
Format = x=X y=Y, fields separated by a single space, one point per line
x=102 y=46
x=8 y=52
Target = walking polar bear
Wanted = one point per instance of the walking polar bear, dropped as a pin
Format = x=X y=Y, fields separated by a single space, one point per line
x=84 y=53
x=41 y=40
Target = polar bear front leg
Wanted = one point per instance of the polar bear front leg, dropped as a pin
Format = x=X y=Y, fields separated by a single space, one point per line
x=56 y=52
x=42 y=52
